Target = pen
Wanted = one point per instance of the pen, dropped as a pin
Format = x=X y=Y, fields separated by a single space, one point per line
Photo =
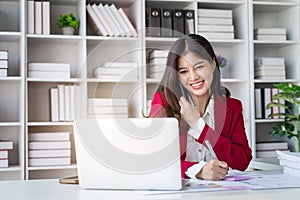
x=212 y=153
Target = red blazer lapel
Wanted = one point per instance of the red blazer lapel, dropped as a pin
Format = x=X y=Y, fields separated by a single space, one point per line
x=220 y=112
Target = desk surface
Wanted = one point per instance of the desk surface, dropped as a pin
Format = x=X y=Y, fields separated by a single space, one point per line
x=52 y=190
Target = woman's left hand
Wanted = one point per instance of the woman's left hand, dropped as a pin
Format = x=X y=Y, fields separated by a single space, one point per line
x=189 y=112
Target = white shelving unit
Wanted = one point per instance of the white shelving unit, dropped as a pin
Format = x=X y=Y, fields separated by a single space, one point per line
x=25 y=106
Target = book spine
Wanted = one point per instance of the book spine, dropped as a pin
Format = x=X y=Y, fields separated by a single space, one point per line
x=101 y=17
x=54 y=105
x=38 y=17
x=217 y=13
x=107 y=102
x=30 y=17
x=119 y=21
x=258 y=106
x=49 y=136
x=95 y=22
x=267 y=92
x=59 y=67
x=67 y=103
x=215 y=21
x=61 y=102
x=128 y=22
x=46 y=17
x=6 y=145
x=49 y=145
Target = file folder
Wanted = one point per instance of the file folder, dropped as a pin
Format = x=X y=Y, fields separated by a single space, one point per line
x=189 y=21
x=178 y=23
x=154 y=22
x=166 y=23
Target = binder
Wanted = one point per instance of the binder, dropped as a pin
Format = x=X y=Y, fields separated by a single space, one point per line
x=166 y=23
x=189 y=24
x=154 y=22
x=178 y=23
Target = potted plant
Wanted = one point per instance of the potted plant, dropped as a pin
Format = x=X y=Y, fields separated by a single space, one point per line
x=290 y=127
x=68 y=23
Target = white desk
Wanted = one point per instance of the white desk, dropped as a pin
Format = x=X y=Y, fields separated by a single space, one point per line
x=52 y=190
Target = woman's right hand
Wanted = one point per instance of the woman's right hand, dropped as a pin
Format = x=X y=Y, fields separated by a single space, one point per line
x=189 y=113
x=214 y=170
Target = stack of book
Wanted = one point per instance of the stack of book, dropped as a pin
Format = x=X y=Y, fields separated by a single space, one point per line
x=166 y=22
x=48 y=149
x=107 y=108
x=267 y=68
x=117 y=71
x=38 y=17
x=263 y=96
x=109 y=21
x=49 y=70
x=157 y=63
x=215 y=23
x=5 y=146
x=290 y=161
x=62 y=103
x=275 y=34
x=3 y=63
x=268 y=149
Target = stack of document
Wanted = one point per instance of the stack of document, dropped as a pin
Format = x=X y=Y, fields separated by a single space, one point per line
x=49 y=70
x=157 y=63
x=290 y=161
x=276 y=34
x=117 y=71
x=267 y=68
x=108 y=107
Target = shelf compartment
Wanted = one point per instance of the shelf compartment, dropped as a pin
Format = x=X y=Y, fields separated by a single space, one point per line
x=10 y=16
x=11 y=102
x=268 y=6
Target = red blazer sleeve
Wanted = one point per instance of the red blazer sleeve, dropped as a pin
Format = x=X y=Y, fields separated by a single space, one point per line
x=231 y=145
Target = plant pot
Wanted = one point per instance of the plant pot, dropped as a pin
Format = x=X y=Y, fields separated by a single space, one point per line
x=68 y=30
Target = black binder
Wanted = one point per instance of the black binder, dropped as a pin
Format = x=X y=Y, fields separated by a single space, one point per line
x=166 y=23
x=178 y=23
x=154 y=22
x=189 y=18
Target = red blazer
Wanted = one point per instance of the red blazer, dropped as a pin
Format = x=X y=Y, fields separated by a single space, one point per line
x=229 y=139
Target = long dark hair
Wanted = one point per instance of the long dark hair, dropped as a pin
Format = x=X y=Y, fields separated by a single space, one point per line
x=170 y=84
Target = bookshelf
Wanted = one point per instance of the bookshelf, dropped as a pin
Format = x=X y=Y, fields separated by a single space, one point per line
x=26 y=101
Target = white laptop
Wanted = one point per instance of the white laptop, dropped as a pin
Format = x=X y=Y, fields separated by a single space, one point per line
x=128 y=153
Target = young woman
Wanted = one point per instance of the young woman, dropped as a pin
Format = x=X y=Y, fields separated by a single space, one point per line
x=191 y=91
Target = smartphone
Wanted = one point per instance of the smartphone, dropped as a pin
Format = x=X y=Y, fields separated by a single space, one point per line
x=186 y=94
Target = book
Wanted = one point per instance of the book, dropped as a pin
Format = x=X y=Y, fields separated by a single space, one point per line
x=67 y=103
x=101 y=18
x=166 y=22
x=156 y=75
x=49 y=136
x=3 y=72
x=3 y=163
x=108 y=110
x=275 y=78
x=269 y=72
x=217 y=35
x=49 y=161
x=49 y=145
x=6 y=144
x=113 y=23
x=158 y=61
x=258 y=103
x=270 y=37
x=72 y=98
x=215 y=21
x=215 y=28
x=269 y=61
x=38 y=17
x=189 y=24
x=46 y=17
x=30 y=17
x=116 y=78
x=217 y=13
x=158 y=54
x=270 y=31
x=61 y=102
x=95 y=22
x=48 y=74
x=115 y=71
x=3 y=54
x=120 y=21
x=128 y=22
x=271 y=146
x=157 y=68
x=178 y=23
x=105 y=115
x=54 y=105
x=3 y=64
x=3 y=154
x=268 y=99
x=154 y=22
x=276 y=109
x=107 y=102
x=120 y=64
x=108 y=20
x=113 y=19
x=49 y=153
x=56 y=67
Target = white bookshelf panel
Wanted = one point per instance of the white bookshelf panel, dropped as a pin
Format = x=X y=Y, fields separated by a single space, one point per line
x=10 y=102
x=72 y=54
x=10 y=15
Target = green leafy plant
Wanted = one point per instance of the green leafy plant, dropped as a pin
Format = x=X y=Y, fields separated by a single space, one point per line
x=68 y=20
x=290 y=127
